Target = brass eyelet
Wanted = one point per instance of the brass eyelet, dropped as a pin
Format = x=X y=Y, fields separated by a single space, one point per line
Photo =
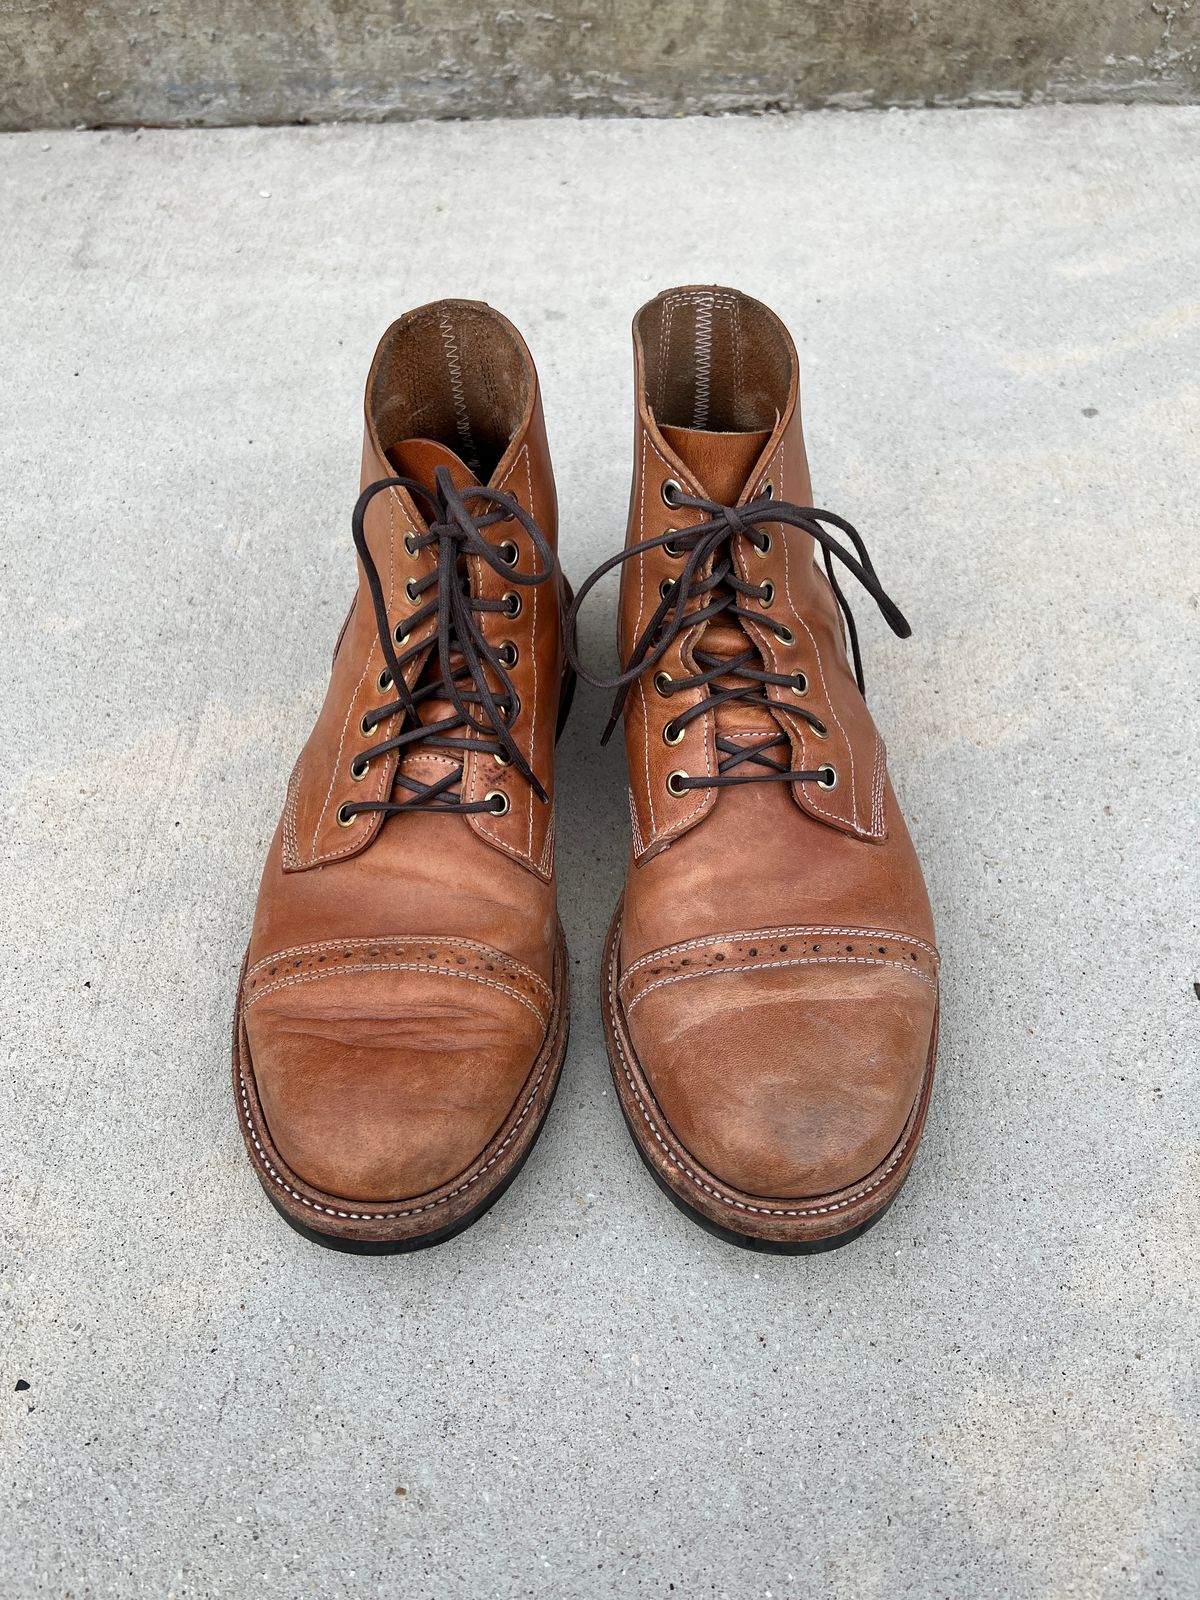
x=505 y=804
x=675 y=783
x=662 y=682
x=507 y=654
x=767 y=598
x=345 y=817
x=784 y=635
x=385 y=681
x=799 y=684
x=827 y=777
x=819 y=729
x=508 y=552
x=410 y=545
x=414 y=599
x=400 y=633
x=673 y=735
x=765 y=548
x=512 y=604
x=367 y=725
x=359 y=768
x=670 y=489
x=502 y=758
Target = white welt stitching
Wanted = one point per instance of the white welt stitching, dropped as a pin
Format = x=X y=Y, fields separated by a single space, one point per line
x=728 y=1200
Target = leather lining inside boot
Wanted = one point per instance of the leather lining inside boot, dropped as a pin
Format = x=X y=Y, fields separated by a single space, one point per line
x=714 y=359
x=454 y=372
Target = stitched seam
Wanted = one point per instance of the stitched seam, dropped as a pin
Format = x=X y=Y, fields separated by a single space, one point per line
x=337 y=760
x=533 y=645
x=638 y=845
x=388 y=770
x=704 y=307
x=680 y=824
x=291 y=847
x=799 y=930
x=637 y=634
x=392 y=966
x=809 y=800
x=728 y=1200
x=766 y=966
x=458 y=397
x=547 y=855
x=316 y=946
x=877 y=786
x=490 y=830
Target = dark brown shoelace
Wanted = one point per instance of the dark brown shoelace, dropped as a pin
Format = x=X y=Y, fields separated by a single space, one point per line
x=720 y=594
x=482 y=717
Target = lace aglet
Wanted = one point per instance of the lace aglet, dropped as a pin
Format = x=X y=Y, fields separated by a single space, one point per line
x=610 y=728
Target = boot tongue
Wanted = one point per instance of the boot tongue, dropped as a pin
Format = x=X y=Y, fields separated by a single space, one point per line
x=420 y=458
x=722 y=462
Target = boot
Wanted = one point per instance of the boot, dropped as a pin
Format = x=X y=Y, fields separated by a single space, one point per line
x=402 y=1011
x=770 y=984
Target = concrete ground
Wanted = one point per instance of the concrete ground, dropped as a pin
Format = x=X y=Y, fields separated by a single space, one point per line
x=994 y=1393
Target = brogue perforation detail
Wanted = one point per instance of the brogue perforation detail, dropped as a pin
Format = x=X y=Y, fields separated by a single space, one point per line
x=455 y=958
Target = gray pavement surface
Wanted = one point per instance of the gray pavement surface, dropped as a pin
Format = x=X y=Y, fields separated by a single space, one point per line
x=994 y=1393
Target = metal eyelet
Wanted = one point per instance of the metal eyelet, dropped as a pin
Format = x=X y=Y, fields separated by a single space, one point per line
x=367 y=725
x=346 y=817
x=400 y=633
x=502 y=758
x=508 y=552
x=675 y=783
x=662 y=682
x=673 y=735
x=784 y=635
x=359 y=768
x=512 y=604
x=827 y=777
x=672 y=549
x=799 y=683
x=505 y=804
x=767 y=597
x=666 y=588
x=414 y=599
x=410 y=545
x=507 y=654
x=385 y=681
x=768 y=492
x=819 y=729
x=765 y=548
x=670 y=489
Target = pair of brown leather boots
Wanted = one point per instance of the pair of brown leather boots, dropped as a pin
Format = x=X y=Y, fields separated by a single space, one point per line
x=770 y=983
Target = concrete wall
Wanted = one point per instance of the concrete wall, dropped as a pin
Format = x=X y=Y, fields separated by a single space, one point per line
x=181 y=62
